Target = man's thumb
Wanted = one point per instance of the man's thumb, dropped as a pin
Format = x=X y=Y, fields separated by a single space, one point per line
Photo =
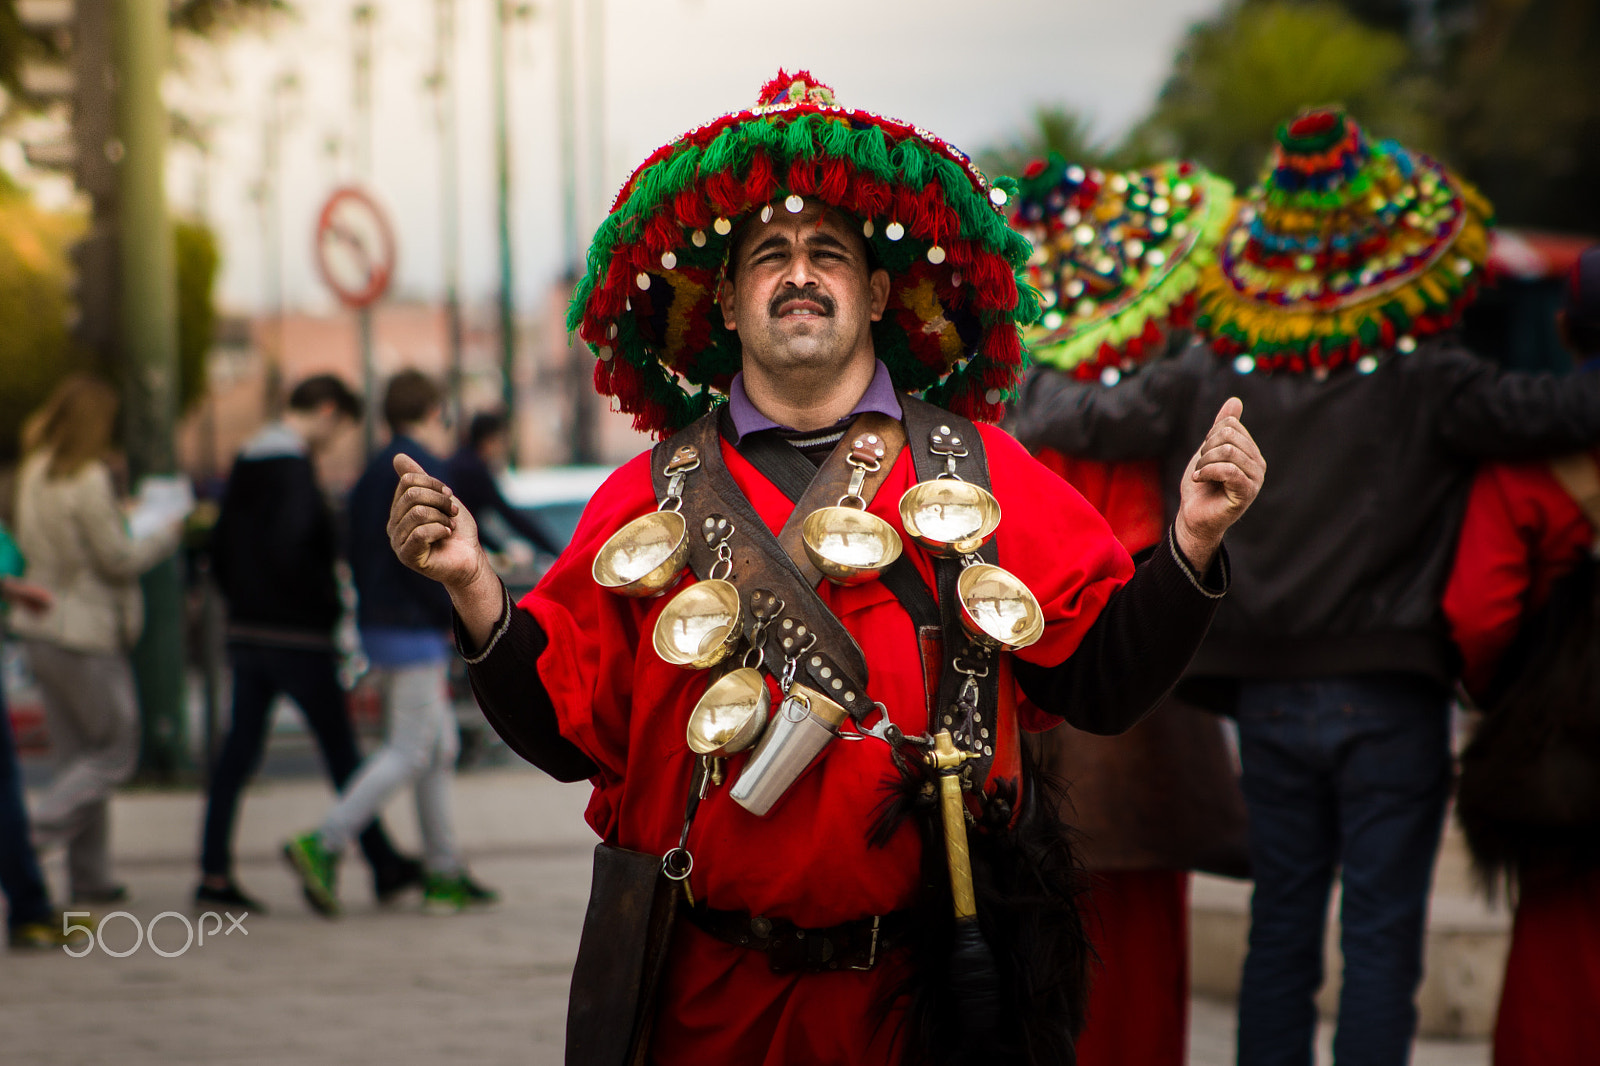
x=1232 y=408
x=404 y=464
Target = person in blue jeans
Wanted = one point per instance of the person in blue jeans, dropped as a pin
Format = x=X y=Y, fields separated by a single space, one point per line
x=1347 y=775
x=30 y=919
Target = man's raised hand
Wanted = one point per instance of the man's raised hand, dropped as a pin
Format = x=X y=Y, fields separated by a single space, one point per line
x=1223 y=479
x=431 y=532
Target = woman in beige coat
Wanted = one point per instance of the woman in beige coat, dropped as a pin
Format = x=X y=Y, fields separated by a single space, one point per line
x=73 y=534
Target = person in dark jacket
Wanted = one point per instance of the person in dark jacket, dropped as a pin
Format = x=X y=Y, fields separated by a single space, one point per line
x=1332 y=646
x=274 y=552
x=405 y=630
x=471 y=474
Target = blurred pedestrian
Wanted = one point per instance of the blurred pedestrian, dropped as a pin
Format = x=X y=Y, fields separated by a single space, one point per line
x=72 y=532
x=30 y=920
x=275 y=552
x=471 y=473
x=1524 y=607
x=1327 y=315
x=405 y=630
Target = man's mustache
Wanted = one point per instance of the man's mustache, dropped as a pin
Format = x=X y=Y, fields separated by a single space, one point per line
x=821 y=299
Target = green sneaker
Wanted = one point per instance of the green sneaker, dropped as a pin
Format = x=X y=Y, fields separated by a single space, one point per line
x=442 y=895
x=318 y=869
x=477 y=895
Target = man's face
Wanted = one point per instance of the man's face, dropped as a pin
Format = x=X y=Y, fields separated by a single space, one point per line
x=323 y=427
x=802 y=294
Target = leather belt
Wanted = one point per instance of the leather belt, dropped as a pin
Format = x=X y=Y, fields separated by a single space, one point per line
x=857 y=945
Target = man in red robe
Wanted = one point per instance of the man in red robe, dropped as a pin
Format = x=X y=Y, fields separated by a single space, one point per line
x=570 y=677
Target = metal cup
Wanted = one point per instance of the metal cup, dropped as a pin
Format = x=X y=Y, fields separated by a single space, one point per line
x=731 y=714
x=949 y=517
x=645 y=557
x=997 y=608
x=805 y=722
x=700 y=627
x=849 y=546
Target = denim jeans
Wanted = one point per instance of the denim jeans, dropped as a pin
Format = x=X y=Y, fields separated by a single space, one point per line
x=27 y=899
x=1348 y=773
x=311 y=680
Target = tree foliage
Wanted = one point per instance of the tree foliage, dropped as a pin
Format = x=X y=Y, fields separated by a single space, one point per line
x=1058 y=130
x=196 y=261
x=1236 y=77
x=34 y=305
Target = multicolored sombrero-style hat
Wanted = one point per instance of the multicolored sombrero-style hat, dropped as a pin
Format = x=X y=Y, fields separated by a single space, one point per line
x=1116 y=259
x=647 y=305
x=1346 y=249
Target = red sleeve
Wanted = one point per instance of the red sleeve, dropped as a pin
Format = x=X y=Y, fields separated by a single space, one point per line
x=588 y=667
x=1521 y=532
x=1058 y=545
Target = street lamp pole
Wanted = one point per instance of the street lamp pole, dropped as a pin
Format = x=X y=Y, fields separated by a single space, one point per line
x=449 y=194
x=502 y=169
x=362 y=18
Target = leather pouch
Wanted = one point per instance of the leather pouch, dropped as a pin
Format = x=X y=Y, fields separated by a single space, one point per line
x=627 y=932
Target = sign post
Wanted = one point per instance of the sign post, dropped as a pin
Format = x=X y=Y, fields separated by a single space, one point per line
x=356 y=258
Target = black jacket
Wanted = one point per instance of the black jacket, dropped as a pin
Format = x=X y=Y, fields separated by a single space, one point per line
x=470 y=478
x=274 y=548
x=391 y=594
x=1339 y=565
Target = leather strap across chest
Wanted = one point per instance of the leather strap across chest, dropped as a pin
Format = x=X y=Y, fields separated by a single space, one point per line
x=782 y=612
x=940 y=441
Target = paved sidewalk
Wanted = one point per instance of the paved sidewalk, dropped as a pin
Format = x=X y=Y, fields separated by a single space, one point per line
x=381 y=986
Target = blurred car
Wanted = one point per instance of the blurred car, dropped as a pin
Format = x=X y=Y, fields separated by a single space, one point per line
x=553 y=498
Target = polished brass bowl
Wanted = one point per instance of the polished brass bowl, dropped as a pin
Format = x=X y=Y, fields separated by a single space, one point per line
x=731 y=715
x=997 y=608
x=949 y=517
x=700 y=626
x=644 y=557
x=849 y=545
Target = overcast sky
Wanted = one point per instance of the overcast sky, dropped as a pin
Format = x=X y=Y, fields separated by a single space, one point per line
x=972 y=72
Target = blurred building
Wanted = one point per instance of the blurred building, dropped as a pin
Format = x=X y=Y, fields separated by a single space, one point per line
x=256 y=357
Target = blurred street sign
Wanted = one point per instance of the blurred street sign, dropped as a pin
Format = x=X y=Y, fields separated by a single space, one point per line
x=355 y=248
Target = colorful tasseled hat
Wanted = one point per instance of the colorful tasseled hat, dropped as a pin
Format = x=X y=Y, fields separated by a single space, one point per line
x=647 y=305
x=1116 y=259
x=1345 y=250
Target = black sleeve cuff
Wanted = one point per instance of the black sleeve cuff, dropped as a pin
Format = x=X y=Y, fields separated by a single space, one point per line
x=1215 y=582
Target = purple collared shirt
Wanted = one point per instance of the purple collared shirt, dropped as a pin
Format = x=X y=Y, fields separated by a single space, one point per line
x=880 y=397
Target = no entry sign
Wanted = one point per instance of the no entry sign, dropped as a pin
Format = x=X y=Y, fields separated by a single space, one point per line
x=355 y=247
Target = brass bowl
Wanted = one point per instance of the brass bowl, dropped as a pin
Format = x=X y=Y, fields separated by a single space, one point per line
x=949 y=517
x=997 y=608
x=700 y=627
x=645 y=557
x=731 y=715
x=850 y=546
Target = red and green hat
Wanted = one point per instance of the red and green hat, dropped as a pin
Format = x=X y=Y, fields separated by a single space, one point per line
x=1116 y=258
x=1346 y=249
x=647 y=304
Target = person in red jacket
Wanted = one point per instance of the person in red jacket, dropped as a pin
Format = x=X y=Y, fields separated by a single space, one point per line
x=1116 y=259
x=1524 y=530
